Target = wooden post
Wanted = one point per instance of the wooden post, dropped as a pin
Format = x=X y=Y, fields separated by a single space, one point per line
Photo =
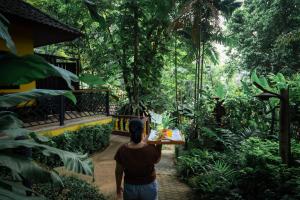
x=107 y=103
x=62 y=110
x=284 y=137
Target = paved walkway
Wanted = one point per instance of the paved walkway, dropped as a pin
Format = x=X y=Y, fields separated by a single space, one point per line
x=169 y=186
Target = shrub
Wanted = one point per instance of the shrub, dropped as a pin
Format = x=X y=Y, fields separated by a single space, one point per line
x=253 y=171
x=215 y=177
x=74 y=188
x=86 y=140
x=192 y=161
x=256 y=151
x=261 y=174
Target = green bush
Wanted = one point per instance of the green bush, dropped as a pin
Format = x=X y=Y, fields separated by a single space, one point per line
x=214 y=177
x=74 y=188
x=253 y=171
x=261 y=174
x=86 y=140
x=191 y=162
x=256 y=151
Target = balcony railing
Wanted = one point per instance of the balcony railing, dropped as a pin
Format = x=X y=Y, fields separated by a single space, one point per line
x=121 y=124
x=57 y=109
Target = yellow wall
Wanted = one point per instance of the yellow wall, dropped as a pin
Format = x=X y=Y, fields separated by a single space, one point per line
x=24 y=44
x=74 y=127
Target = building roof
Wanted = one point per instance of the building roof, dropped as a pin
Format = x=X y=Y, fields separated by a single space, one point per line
x=45 y=29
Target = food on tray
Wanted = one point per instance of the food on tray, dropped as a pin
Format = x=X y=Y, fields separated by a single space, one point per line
x=165 y=136
x=167 y=133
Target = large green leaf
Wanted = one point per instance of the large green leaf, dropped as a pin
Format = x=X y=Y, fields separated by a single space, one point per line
x=9 y=120
x=5 y=35
x=11 y=126
x=74 y=162
x=280 y=81
x=28 y=169
x=16 y=188
x=91 y=80
x=14 y=99
x=260 y=81
x=9 y=195
x=220 y=91
x=38 y=137
x=25 y=69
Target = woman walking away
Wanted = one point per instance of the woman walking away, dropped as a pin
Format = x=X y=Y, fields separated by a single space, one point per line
x=136 y=160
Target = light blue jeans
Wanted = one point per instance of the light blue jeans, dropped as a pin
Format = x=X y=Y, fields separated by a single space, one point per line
x=141 y=192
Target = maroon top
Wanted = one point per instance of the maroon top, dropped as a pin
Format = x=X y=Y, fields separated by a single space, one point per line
x=138 y=163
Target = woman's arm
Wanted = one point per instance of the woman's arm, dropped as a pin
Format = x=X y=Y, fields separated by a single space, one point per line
x=119 y=176
x=158 y=149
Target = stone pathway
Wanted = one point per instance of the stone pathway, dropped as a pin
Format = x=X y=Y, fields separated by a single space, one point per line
x=169 y=186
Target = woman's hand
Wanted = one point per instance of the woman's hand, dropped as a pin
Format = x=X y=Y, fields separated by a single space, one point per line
x=144 y=140
x=119 y=193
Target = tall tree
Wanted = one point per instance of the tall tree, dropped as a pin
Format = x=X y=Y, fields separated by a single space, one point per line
x=268 y=35
x=200 y=20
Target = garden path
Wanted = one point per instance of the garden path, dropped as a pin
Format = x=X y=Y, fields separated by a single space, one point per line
x=169 y=186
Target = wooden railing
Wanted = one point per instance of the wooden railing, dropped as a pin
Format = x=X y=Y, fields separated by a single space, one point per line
x=56 y=109
x=121 y=124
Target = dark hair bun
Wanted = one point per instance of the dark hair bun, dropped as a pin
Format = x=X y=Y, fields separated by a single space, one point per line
x=136 y=127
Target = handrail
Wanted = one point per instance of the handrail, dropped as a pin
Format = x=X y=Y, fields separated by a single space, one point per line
x=121 y=125
x=91 y=90
x=56 y=57
x=129 y=116
x=56 y=109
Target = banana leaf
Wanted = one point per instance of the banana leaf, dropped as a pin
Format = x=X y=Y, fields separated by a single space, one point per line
x=19 y=70
x=14 y=99
x=9 y=120
x=28 y=169
x=73 y=162
x=4 y=34
x=9 y=195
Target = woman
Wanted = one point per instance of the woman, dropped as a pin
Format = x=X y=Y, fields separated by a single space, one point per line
x=136 y=160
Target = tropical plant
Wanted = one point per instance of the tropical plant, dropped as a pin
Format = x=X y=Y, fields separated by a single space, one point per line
x=215 y=176
x=199 y=21
x=266 y=32
x=75 y=188
x=86 y=140
x=15 y=142
x=138 y=24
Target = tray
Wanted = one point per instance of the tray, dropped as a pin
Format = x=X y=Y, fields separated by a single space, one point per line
x=177 y=138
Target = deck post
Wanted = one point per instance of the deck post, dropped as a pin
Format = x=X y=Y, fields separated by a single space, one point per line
x=61 y=110
x=107 y=103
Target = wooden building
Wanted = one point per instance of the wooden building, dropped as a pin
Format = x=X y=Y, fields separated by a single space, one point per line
x=30 y=28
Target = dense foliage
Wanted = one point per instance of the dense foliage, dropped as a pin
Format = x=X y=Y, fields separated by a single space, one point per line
x=169 y=56
x=74 y=189
x=86 y=140
x=252 y=170
x=16 y=143
x=267 y=33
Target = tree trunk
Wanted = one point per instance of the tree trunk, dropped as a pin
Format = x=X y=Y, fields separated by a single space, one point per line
x=176 y=84
x=196 y=83
x=125 y=72
x=135 y=58
x=201 y=70
x=284 y=137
